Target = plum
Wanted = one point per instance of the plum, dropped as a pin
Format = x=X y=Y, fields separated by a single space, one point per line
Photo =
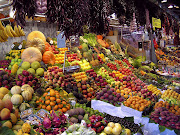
x=106 y=95
x=104 y=90
x=115 y=99
x=109 y=92
x=111 y=97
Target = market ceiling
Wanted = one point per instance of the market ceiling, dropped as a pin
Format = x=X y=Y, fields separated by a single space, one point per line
x=170 y=6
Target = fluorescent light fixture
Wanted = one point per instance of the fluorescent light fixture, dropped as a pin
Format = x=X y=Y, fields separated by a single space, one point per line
x=171 y=6
x=176 y=6
x=163 y=1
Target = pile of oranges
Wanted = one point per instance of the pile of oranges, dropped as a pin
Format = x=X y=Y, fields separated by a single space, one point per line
x=171 y=107
x=52 y=100
x=137 y=103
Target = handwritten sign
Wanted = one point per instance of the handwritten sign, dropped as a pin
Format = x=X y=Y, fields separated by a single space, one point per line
x=61 y=40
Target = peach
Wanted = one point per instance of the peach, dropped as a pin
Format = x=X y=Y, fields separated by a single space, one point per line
x=13 y=118
x=5 y=114
x=8 y=104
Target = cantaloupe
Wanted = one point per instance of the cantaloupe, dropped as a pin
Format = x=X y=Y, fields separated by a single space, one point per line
x=36 y=34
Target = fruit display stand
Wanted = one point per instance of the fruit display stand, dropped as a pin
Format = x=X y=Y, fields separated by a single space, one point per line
x=94 y=87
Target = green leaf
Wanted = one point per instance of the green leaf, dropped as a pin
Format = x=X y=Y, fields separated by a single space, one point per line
x=6 y=131
x=162 y=128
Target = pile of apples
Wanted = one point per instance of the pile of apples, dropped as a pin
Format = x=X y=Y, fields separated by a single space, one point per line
x=55 y=49
x=72 y=57
x=27 y=78
x=112 y=66
x=54 y=75
x=105 y=75
x=87 y=90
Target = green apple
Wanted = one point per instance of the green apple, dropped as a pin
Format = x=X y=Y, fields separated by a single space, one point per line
x=16 y=60
x=108 y=77
x=19 y=60
x=40 y=71
x=19 y=71
x=26 y=65
x=31 y=70
x=13 y=60
x=12 y=63
x=108 y=81
x=35 y=65
x=103 y=75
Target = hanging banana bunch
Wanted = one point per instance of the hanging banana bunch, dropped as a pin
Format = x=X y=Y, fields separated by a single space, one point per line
x=8 y=31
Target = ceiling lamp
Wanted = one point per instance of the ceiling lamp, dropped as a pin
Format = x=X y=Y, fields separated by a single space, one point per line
x=176 y=6
x=171 y=6
x=163 y=1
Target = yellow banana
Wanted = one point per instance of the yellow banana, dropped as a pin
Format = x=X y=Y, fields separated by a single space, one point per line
x=23 y=34
x=11 y=30
x=21 y=31
x=8 y=32
x=2 y=40
x=1 y=26
x=17 y=31
x=3 y=36
x=4 y=33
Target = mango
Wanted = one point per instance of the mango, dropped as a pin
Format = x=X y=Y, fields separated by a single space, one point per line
x=17 y=127
x=16 y=112
x=1 y=104
x=8 y=104
x=7 y=124
x=1 y=96
x=5 y=114
x=13 y=118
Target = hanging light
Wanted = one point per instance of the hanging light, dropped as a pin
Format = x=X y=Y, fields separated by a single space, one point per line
x=176 y=6
x=163 y=1
x=171 y=6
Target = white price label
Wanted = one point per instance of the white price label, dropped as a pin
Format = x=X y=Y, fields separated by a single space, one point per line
x=20 y=46
x=12 y=46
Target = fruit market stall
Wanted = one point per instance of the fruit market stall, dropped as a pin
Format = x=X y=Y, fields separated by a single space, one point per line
x=80 y=82
x=37 y=97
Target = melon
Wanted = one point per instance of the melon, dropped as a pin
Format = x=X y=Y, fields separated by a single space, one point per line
x=36 y=34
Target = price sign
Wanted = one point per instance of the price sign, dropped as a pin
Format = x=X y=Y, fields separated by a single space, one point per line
x=156 y=23
x=20 y=47
x=12 y=46
x=61 y=40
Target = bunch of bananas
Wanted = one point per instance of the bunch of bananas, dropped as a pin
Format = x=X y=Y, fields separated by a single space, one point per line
x=8 y=31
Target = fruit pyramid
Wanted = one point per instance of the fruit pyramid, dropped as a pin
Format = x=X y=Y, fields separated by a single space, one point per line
x=53 y=100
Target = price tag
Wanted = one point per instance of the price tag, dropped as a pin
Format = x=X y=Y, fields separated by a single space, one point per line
x=20 y=47
x=12 y=46
x=61 y=40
